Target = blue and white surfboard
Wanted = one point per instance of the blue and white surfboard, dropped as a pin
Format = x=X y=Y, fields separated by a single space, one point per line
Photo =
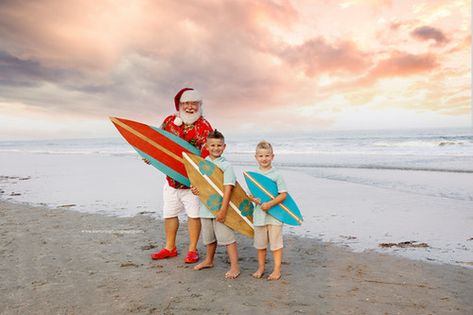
x=266 y=189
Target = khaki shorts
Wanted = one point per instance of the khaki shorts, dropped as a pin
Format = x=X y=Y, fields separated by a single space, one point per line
x=271 y=233
x=177 y=200
x=214 y=231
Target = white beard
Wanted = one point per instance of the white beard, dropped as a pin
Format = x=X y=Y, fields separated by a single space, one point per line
x=189 y=118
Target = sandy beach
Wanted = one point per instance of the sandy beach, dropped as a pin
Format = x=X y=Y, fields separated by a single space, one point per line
x=57 y=261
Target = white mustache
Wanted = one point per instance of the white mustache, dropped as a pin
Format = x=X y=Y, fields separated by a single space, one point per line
x=190 y=117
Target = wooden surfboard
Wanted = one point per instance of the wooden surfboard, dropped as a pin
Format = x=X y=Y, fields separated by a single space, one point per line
x=208 y=178
x=266 y=189
x=163 y=149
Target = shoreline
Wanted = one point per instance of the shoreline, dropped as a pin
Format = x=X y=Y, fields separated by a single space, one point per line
x=348 y=242
x=68 y=262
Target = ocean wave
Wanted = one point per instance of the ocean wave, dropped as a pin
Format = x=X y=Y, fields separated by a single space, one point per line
x=378 y=167
x=360 y=166
x=443 y=143
x=420 y=144
x=70 y=152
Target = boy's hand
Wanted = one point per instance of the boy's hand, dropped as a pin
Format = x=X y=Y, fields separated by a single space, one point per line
x=220 y=215
x=265 y=206
x=146 y=161
x=194 y=190
x=254 y=200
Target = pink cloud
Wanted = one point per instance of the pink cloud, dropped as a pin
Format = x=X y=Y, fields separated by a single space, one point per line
x=152 y=47
x=396 y=64
x=404 y=64
x=317 y=56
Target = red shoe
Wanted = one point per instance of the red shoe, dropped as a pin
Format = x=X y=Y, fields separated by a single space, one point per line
x=192 y=257
x=164 y=253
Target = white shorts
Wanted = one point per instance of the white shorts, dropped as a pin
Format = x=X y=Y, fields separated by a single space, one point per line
x=176 y=200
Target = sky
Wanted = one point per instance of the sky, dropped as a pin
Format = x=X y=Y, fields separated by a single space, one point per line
x=262 y=66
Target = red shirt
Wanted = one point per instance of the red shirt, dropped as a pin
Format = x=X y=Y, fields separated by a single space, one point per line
x=196 y=134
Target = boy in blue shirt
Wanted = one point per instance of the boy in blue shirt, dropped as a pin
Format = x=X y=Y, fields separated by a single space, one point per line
x=214 y=232
x=267 y=228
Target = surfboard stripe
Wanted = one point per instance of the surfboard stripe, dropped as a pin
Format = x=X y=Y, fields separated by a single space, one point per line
x=211 y=183
x=149 y=149
x=167 y=139
x=145 y=138
x=272 y=197
x=186 y=145
x=165 y=169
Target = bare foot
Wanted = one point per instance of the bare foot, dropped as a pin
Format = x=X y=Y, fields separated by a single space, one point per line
x=232 y=274
x=274 y=276
x=258 y=274
x=204 y=265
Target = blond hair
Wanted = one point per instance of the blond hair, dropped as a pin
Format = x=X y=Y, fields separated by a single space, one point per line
x=264 y=145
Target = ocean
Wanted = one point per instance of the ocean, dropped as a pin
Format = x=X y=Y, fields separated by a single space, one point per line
x=448 y=150
x=337 y=155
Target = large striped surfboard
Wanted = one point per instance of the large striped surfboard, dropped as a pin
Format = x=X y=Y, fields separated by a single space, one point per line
x=161 y=148
x=266 y=189
x=208 y=178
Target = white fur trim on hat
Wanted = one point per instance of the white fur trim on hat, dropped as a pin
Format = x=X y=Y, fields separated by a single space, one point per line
x=191 y=96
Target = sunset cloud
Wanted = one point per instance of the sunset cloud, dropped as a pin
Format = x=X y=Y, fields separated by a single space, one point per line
x=281 y=59
x=427 y=33
x=404 y=64
x=317 y=56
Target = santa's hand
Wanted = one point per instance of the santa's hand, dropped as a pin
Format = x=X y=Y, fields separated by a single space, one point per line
x=194 y=190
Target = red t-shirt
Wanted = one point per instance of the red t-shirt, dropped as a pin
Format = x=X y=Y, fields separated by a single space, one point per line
x=196 y=134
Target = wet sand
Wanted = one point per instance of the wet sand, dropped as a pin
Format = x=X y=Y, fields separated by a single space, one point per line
x=65 y=262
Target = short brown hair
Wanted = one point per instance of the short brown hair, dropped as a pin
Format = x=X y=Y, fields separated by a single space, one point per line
x=264 y=145
x=216 y=135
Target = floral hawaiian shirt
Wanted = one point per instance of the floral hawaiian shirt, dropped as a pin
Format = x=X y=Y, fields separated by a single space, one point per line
x=196 y=134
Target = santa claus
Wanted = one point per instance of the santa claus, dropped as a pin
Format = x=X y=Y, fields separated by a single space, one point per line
x=188 y=124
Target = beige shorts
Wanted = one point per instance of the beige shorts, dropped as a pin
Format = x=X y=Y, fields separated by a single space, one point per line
x=177 y=200
x=214 y=231
x=271 y=233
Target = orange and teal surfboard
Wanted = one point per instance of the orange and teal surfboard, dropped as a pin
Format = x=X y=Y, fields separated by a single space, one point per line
x=163 y=149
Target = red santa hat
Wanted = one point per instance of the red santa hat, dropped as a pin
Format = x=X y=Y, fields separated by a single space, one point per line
x=186 y=95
